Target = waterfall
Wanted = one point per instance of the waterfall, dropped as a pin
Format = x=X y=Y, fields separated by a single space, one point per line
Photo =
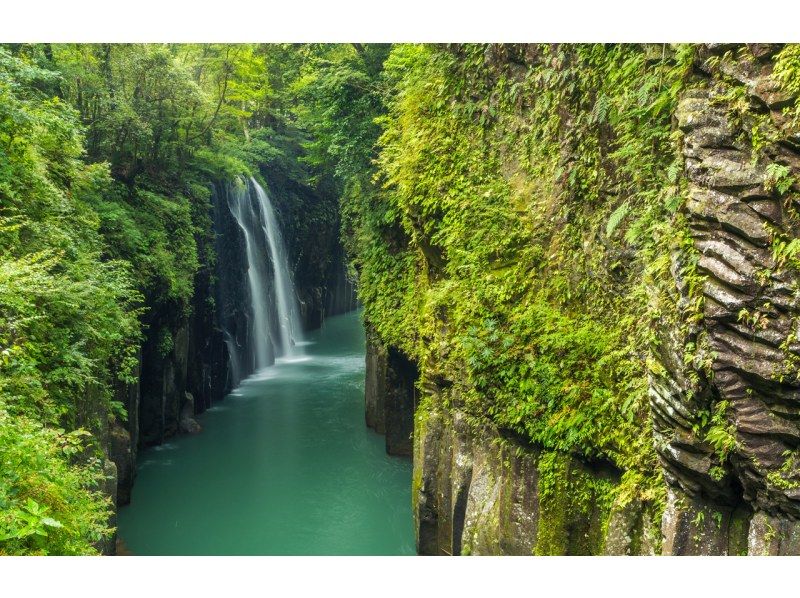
x=241 y=208
x=289 y=330
x=268 y=323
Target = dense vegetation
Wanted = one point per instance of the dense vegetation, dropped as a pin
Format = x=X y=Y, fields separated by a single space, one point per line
x=518 y=231
x=109 y=153
x=509 y=213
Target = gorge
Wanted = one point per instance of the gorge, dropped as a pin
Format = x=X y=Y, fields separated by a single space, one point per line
x=560 y=283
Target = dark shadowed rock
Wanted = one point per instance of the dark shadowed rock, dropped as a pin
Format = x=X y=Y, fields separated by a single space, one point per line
x=188 y=424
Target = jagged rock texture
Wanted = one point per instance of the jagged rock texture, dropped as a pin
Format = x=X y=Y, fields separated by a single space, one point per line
x=746 y=330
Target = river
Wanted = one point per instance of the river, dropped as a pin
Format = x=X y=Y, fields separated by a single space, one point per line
x=284 y=466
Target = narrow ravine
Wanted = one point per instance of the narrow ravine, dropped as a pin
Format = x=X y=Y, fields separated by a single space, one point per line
x=284 y=466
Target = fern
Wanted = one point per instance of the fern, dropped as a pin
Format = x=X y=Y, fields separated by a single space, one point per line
x=616 y=217
x=777 y=179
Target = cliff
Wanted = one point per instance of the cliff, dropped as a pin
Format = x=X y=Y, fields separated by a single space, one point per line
x=724 y=403
x=594 y=294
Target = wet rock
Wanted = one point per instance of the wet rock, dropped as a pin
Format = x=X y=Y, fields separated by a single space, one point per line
x=188 y=424
x=632 y=530
x=375 y=383
x=772 y=535
x=390 y=394
x=121 y=454
x=400 y=402
x=701 y=527
x=426 y=495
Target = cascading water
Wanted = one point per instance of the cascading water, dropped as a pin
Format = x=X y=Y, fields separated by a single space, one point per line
x=273 y=324
x=241 y=208
x=289 y=330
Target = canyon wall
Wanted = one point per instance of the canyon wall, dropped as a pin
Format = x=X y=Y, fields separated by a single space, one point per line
x=693 y=152
x=205 y=352
x=736 y=361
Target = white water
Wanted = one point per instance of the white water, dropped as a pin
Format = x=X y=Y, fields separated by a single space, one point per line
x=289 y=330
x=241 y=208
x=233 y=352
x=251 y=208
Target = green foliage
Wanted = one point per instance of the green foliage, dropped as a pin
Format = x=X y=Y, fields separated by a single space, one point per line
x=49 y=504
x=68 y=323
x=786 y=478
x=787 y=75
x=67 y=317
x=721 y=431
x=616 y=217
x=340 y=97
x=777 y=179
x=516 y=237
x=568 y=494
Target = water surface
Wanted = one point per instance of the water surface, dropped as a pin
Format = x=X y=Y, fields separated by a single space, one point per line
x=284 y=466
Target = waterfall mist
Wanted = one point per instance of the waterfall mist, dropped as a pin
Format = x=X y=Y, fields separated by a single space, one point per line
x=273 y=328
x=289 y=330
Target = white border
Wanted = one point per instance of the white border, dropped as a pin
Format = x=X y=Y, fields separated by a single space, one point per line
x=408 y=20
x=402 y=577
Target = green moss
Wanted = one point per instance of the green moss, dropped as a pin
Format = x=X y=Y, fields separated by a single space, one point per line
x=574 y=507
x=554 y=502
x=421 y=417
x=738 y=528
x=541 y=327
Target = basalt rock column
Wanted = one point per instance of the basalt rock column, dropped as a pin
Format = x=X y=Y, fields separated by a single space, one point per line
x=726 y=402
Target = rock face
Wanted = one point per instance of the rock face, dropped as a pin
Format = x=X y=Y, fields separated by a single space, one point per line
x=162 y=383
x=390 y=394
x=477 y=492
x=726 y=405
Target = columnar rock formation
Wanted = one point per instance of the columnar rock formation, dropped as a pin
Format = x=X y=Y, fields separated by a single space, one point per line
x=390 y=394
x=742 y=370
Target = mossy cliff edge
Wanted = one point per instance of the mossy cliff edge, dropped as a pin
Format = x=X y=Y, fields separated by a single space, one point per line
x=587 y=256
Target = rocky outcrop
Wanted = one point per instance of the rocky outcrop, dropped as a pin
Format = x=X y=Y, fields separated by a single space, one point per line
x=390 y=394
x=187 y=423
x=726 y=406
x=375 y=383
x=163 y=383
x=475 y=491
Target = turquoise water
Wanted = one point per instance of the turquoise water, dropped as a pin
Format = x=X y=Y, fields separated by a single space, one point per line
x=284 y=466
